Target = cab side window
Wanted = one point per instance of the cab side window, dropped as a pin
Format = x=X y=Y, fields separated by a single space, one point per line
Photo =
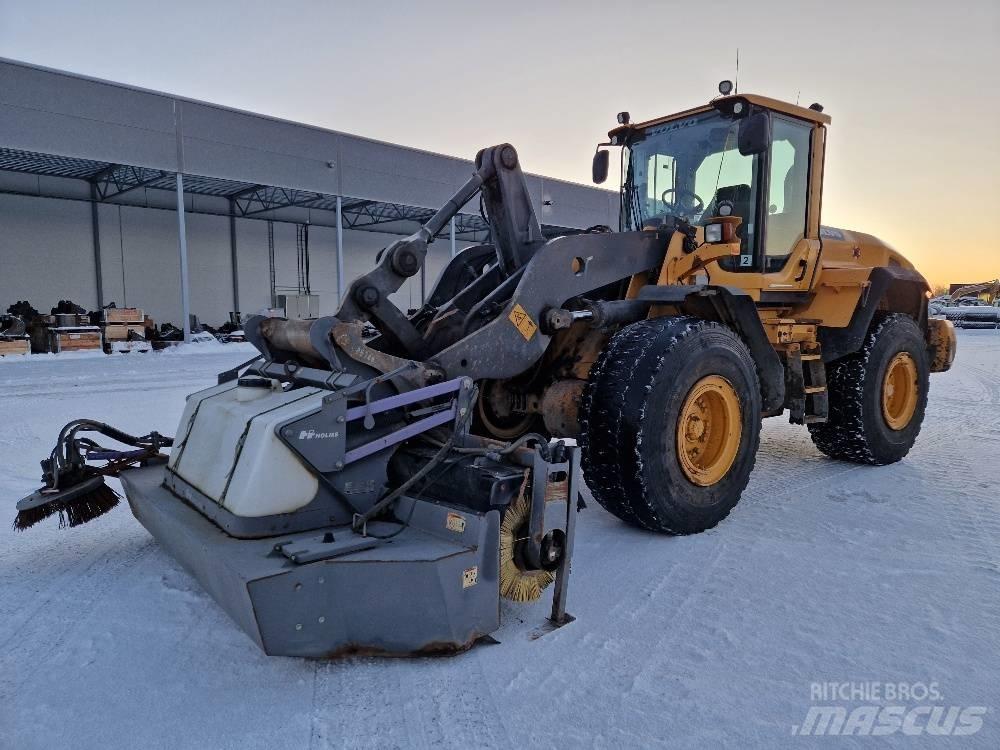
x=726 y=178
x=788 y=191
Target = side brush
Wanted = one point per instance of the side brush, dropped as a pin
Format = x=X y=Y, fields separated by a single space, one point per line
x=75 y=489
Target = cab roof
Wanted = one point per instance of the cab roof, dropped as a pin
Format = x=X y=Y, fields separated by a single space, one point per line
x=794 y=110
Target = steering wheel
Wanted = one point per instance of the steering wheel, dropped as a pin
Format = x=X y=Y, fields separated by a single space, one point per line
x=672 y=206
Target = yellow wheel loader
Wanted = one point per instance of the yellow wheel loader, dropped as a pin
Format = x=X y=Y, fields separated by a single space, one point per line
x=351 y=493
x=757 y=308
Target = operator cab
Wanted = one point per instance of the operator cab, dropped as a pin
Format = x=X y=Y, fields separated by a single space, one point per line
x=742 y=156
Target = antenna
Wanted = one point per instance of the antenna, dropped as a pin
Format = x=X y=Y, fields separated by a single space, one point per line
x=737 y=71
x=797 y=94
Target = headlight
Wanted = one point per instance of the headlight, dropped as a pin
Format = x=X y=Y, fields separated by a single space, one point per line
x=713 y=233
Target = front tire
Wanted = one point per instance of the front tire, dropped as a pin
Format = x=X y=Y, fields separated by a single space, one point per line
x=671 y=424
x=877 y=395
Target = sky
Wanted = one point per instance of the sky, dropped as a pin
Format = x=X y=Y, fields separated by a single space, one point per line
x=913 y=153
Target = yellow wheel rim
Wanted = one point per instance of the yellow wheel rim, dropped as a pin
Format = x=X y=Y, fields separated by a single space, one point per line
x=900 y=391
x=708 y=431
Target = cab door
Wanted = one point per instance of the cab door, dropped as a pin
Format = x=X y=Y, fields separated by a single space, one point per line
x=781 y=248
x=791 y=242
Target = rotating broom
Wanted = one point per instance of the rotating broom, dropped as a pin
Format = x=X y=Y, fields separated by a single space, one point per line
x=75 y=489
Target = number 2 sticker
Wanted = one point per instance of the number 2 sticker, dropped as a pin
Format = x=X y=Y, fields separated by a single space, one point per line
x=746 y=261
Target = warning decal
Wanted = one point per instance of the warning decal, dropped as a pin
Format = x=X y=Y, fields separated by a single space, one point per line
x=523 y=322
x=470 y=576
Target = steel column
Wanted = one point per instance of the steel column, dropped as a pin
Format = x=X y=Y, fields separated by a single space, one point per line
x=182 y=246
x=233 y=256
x=340 y=251
x=95 y=226
x=181 y=227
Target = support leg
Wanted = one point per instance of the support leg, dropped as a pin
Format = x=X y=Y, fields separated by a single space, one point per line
x=559 y=616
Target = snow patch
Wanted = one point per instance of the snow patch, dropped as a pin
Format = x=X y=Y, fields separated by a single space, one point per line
x=713 y=640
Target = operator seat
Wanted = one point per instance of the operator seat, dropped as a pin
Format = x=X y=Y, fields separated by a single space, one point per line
x=739 y=196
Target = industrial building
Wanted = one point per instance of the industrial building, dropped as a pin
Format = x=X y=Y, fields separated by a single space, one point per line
x=92 y=173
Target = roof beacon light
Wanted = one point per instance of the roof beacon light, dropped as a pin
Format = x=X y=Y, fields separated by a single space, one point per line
x=623 y=118
x=725 y=87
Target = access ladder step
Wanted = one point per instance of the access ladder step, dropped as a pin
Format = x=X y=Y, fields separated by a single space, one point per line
x=808 y=401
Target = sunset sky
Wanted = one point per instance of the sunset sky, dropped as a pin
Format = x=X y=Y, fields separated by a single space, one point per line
x=914 y=148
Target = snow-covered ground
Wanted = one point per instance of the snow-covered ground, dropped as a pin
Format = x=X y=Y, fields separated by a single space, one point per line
x=826 y=572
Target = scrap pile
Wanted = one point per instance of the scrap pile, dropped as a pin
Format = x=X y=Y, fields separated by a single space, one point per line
x=69 y=327
x=13 y=334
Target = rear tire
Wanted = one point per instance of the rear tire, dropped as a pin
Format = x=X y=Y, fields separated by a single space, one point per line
x=663 y=388
x=873 y=418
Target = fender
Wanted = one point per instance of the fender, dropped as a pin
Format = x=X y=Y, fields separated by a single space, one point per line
x=736 y=309
x=891 y=288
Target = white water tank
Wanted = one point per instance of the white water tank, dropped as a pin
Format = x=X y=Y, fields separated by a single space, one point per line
x=227 y=449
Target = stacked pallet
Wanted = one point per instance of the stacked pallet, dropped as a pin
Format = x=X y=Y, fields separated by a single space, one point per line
x=64 y=332
x=74 y=338
x=14 y=346
x=124 y=329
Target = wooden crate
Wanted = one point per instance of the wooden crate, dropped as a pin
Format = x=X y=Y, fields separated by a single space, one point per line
x=68 y=340
x=14 y=346
x=120 y=331
x=122 y=315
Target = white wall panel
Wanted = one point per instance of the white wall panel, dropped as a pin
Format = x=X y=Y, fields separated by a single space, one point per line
x=46 y=252
x=47 y=255
x=151 y=265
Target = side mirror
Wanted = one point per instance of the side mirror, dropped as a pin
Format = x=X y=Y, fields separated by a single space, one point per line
x=754 y=134
x=599 y=170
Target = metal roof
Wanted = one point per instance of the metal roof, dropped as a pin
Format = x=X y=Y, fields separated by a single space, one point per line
x=49 y=164
x=123 y=138
x=249 y=200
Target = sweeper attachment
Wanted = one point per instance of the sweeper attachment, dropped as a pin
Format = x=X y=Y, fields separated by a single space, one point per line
x=345 y=492
x=328 y=516
x=331 y=494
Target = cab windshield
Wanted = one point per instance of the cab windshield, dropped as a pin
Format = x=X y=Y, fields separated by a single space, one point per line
x=688 y=169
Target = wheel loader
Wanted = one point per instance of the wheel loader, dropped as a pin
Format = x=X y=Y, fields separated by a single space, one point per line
x=349 y=493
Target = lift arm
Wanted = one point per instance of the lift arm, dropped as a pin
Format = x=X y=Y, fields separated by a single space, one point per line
x=513 y=225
